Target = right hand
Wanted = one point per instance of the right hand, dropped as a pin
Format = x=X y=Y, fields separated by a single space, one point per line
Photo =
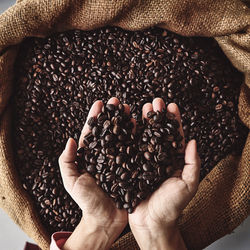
x=160 y=211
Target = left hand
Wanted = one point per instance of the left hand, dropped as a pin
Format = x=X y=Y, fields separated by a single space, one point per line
x=98 y=209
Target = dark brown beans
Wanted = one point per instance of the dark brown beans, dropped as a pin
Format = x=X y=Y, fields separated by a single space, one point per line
x=59 y=77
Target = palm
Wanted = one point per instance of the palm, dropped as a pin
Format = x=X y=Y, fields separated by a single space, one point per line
x=95 y=203
x=82 y=187
x=164 y=204
x=167 y=202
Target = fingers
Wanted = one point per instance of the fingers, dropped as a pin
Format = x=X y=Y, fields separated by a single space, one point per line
x=191 y=170
x=67 y=165
x=173 y=108
x=126 y=109
x=114 y=101
x=158 y=104
x=134 y=123
x=145 y=109
x=94 y=111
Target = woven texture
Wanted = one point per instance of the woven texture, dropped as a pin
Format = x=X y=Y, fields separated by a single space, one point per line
x=222 y=200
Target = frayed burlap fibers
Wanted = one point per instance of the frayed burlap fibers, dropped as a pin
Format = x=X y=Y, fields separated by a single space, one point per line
x=222 y=200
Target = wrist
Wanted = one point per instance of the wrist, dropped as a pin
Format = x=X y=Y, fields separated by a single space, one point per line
x=89 y=235
x=108 y=233
x=159 y=237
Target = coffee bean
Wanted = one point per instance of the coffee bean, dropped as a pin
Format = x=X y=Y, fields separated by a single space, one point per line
x=116 y=130
x=102 y=178
x=130 y=210
x=162 y=157
x=141 y=195
x=119 y=159
x=147 y=156
x=123 y=185
x=91 y=168
x=109 y=177
x=146 y=167
x=92 y=144
x=124 y=176
x=127 y=197
x=129 y=150
x=119 y=171
x=106 y=124
x=109 y=138
x=126 y=206
x=114 y=187
x=150 y=114
x=174 y=144
x=92 y=121
x=95 y=131
x=218 y=107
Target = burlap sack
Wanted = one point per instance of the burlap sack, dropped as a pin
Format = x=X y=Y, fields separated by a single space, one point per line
x=222 y=201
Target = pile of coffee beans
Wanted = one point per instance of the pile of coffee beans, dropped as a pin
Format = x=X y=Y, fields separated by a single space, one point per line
x=127 y=173
x=59 y=77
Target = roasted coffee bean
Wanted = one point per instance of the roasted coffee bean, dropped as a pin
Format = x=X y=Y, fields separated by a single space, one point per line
x=146 y=167
x=110 y=107
x=134 y=174
x=129 y=150
x=126 y=206
x=124 y=176
x=91 y=168
x=102 y=178
x=114 y=187
x=92 y=121
x=161 y=171
x=58 y=78
x=119 y=159
x=99 y=167
x=151 y=148
x=106 y=124
x=150 y=114
x=162 y=157
x=95 y=131
x=92 y=145
x=147 y=156
x=109 y=177
x=148 y=176
x=130 y=210
x=127 y=197
x=141 y=195
x=101 y=159
x=119 y=171
x=109 y=138
x=123 y=185
x=116 y=130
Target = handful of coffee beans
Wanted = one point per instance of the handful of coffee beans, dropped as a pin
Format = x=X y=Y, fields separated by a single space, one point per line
x=127 y=172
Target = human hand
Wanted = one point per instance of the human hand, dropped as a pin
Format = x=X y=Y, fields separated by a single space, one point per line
x=157 y=216
x=99 y=211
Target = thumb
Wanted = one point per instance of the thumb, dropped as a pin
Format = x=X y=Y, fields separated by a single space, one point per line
x=191 y=170
x=67 y=165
